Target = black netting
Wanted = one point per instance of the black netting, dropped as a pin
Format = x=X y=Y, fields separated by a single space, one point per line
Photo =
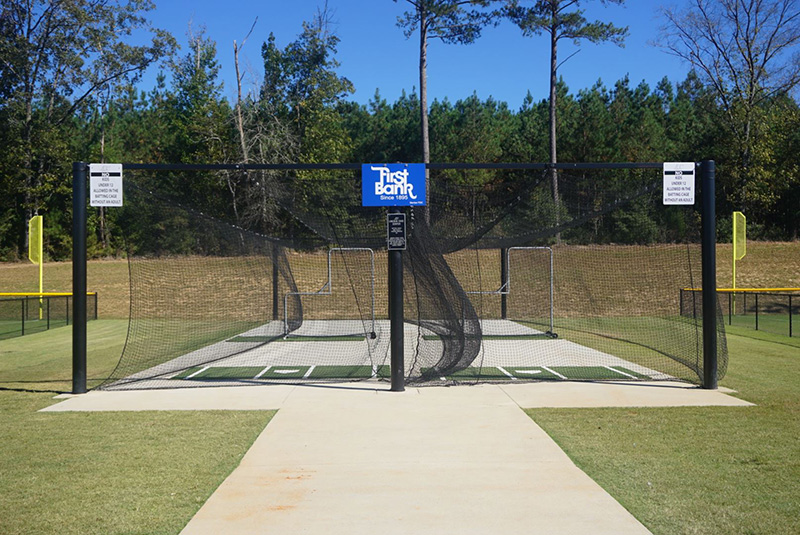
x=282 y=278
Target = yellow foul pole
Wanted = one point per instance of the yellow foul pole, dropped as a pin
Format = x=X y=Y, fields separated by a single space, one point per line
x=35 y=251
x=739 y=246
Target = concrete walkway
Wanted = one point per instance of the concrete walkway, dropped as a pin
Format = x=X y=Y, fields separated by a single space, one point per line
x=357 y=459
x=437 y=461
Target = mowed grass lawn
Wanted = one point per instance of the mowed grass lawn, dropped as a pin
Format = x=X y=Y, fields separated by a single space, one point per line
x=682 y=470
x=715 y=470
x=103 y=473
x=678 y=470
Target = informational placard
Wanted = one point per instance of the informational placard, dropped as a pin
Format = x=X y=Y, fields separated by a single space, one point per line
x=105 y=184
x=679 y=183
x=396 y=232
x=393 y=184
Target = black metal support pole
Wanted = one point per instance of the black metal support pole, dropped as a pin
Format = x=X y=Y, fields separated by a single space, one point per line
x=709 y=274
x=79 y=171
x=730 y=309
x=503 y=280
x=397 y=318
x=397 y=315
x=389 y=278
x=790 y=316
x=756 y=311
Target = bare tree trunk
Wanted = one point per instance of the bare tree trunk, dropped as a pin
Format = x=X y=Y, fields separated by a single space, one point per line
x=104 y=237
x=103 y=234
x=553 y=139
x=423 y=89
x=746 y=157
x=240 y=127
x=28 y=168
x=423 y=104
x=239 y=121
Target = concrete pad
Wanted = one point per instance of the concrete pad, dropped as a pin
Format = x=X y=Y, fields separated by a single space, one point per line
x=562 y=394
x=431 y=460
x=263 y=397
x=619 y=394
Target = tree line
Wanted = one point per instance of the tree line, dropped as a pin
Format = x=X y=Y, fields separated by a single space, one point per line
x=72 y=94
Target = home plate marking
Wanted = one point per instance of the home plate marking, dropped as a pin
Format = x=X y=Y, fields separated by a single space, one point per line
x=285 y=372
x=529 y=372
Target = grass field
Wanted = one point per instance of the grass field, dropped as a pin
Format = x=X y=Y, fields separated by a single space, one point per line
x=113 y=473
x=682 y=470
x=771 y=323
x=103 y=473
x=767 y=264
x=650 y=293
x=107 y=277
x=43 y=361
x=702 y=470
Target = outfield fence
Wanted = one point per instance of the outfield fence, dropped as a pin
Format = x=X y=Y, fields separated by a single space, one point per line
x=27 y=313
x=774 y=310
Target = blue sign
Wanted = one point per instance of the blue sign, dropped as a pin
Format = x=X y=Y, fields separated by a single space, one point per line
x=393 y=184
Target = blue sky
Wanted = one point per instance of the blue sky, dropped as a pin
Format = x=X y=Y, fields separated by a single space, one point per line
x=374 y=54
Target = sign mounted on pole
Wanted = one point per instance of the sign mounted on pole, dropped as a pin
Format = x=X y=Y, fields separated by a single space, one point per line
x=679 y=186
x=393 y=184
x=105 y=184
x=396 y=232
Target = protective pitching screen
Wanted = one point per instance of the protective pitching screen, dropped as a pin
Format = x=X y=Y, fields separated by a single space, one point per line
x=510 y=275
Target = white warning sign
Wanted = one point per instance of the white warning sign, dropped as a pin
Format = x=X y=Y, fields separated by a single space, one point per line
x=105 y=184
x=396 y=232
x=679 y=183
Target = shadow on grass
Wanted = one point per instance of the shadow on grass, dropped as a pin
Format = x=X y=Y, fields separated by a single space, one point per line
x=33 y=387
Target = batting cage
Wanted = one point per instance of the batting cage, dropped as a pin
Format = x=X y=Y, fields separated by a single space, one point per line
x=510 y=273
